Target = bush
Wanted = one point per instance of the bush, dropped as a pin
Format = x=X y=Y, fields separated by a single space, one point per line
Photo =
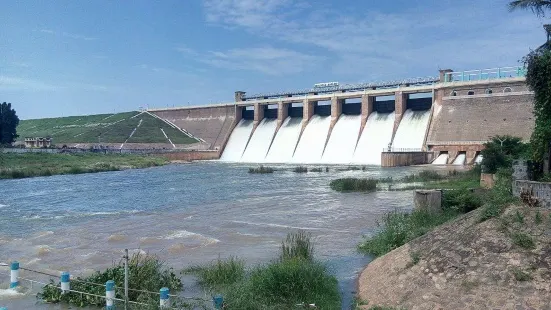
x=353 y=185
x=461 y=200
x=261 y=169
x=219 y=273
x=523 y=240
x=423 y=176
x=146 y=272
x=297 y=246
x=399 y=228
x=300 y=169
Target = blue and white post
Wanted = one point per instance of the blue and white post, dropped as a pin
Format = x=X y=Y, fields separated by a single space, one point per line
x=165 y=299
x=65 y=285
x=14 y=275
x=110 y=295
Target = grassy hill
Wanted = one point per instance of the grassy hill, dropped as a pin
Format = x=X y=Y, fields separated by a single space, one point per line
x=132 y=127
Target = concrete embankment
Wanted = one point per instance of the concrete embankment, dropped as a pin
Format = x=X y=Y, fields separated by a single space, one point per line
x=468 y=264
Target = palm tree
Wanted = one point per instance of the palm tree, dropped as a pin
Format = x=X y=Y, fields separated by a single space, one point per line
x=537 y=6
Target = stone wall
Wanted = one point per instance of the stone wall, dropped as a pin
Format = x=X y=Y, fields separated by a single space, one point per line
x=539 y=190
x=397 y=159
x=192 y=155
x=208 y=123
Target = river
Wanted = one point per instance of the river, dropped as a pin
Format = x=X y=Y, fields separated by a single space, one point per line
x=187 y=214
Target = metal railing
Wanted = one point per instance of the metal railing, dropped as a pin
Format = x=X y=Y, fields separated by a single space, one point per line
x=485 y=74
x=402 y=150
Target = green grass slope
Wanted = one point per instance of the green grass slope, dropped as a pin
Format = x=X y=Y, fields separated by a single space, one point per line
x=104 y=128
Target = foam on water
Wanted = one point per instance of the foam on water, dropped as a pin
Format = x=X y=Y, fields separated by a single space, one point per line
x=342 y=142
x=375 y=137
x=2 y=206
x=459 y=160
x=312 y=142
x=442 y=159
x=285 y=141
x=412 y=129
x=260 y=141
x=9 y=293
x=238 y=141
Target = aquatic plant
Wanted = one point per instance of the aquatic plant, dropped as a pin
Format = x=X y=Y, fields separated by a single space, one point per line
x=353 y=185
x=262 y=169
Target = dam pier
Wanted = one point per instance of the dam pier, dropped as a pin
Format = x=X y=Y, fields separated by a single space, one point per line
x=445 y=119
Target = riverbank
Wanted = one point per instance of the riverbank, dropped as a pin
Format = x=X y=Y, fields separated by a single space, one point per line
x=469 y=263
x=26 y=165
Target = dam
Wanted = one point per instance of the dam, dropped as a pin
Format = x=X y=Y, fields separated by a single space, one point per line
x=448 y=118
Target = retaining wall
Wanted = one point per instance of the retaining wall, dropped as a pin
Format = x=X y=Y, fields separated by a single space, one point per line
x=397 y=159
x=539 y=190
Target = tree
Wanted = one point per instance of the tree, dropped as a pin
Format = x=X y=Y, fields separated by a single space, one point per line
x=500 y=152
x=537 y=6
x=8 y=124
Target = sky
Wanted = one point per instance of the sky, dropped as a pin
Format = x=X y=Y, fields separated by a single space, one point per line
x=61 y=58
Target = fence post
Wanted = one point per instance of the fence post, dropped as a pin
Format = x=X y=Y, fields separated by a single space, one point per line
x=14 y=274
x=218 y=301
x=65 y=284
x=164 y=301
x=109 y=294
x=126 y=279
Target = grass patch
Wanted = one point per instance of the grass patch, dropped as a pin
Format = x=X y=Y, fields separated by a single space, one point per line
x=219 y=273
x=26 y=165
x=461 y=200
x=353 y=185
x=262 y=169
x=415 y=258
x=469 y=285
x=520 y=275
x=146 y=272
x=300 y=169
x=523 y=240
x=398 y=228
x=538 y=219
x=293 y=278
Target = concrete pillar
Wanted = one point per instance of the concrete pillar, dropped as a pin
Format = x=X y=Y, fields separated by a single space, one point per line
x=336 y=108
x=471 y=155
x=400 y=104
x=367 y=108
x=452 y=155
x=239 y=96
x=258 y=112
x=443 y=74
x=282 y=112
x=307 y=111
x=238 y=113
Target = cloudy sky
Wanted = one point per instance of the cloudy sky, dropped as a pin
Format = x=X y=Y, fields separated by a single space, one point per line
x=61 y=58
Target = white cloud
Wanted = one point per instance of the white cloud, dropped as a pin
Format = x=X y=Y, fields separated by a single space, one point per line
x=69 y=35
x=375 y=44
x=12 y=83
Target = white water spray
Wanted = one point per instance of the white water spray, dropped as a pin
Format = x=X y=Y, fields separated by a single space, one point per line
x=342 y=142
x=312 y=142
x=260 y=141
x=459 y=160
x=411 y=131
x=478 y=159
x=442 y=159
x=237 y=141
x=375 y=137
x=285 y=141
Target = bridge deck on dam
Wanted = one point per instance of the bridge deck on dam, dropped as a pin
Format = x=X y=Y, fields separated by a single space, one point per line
x=477 y=118
x=211 y=124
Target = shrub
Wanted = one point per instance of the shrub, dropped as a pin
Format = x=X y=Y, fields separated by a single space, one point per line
x=520 y=275
x=261 y=169
x=300 y=169
x=146 y=272
x=297 y=246
x=461 y=200
x=399 y=228
x=523 y=240
x=353 y=185
x=219 y=273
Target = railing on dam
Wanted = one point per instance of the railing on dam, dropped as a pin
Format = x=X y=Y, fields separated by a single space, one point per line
x=485 y=74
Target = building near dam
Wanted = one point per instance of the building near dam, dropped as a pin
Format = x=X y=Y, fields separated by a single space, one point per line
x=448 y=117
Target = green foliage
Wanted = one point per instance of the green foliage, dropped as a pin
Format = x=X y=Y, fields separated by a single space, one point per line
x=353 y=185
x=316 y=169
x=520 y=275
x=146 y=272
x=294 y=278
x=262 y=169
x=300 y=169
x=519 y=217
x=538 y=219
x=499 y=197
x=15 y=166
x=538 y=78
x=536 y=6
x=523 y=240
x=220 y=273
x=400 y=228
x=297 y=246
x=461 y=200
x=8 y=124
x=423 y=176
x=500 y=152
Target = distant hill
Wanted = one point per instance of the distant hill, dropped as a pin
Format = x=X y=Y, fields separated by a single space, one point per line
x=127 y=127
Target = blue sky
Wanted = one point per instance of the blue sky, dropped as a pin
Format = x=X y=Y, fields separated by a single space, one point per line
x=61 y=58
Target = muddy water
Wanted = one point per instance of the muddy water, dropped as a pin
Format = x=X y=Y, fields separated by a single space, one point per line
x=187 y=214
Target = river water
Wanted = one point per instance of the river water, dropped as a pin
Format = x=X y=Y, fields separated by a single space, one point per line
x=187 y=214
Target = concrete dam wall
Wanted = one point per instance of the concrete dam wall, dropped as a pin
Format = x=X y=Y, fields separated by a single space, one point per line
x=447 y=119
